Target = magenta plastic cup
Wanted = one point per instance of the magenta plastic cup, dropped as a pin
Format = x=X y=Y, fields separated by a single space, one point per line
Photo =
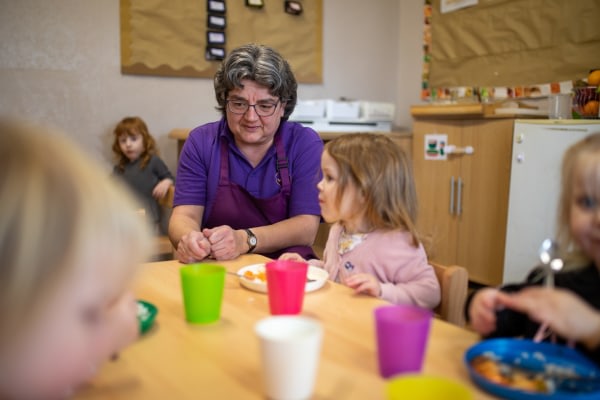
x=402 y=332
x=286 y=280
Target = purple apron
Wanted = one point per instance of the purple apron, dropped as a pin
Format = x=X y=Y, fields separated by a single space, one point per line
x=235 y=207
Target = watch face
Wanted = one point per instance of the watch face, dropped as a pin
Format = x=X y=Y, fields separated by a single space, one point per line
x=252 y=240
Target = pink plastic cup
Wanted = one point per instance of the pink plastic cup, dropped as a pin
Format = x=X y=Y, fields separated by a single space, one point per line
x=286 y=280
x=402 y=332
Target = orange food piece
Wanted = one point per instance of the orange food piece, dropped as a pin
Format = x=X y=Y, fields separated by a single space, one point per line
x=515 y=378
x=591 y=107
x=532 y=384
x=594 y=78
x=489 y=369
x=251 y=276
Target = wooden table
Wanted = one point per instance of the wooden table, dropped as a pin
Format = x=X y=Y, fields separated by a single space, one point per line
x=177 y=360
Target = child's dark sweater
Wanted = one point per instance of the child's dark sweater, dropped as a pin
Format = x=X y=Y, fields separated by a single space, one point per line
x=584 y=282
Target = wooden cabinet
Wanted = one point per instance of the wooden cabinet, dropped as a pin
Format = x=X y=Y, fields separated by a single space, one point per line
x=463 y=201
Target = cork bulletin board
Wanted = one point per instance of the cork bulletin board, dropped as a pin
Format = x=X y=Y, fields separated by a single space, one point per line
x=169 y=37
x=507 y=43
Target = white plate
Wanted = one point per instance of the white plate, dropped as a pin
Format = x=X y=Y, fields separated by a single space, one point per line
x=319 y=275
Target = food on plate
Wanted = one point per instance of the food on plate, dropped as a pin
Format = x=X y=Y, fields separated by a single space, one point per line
x=508 y=375
x=254 y=277
x=259 y=275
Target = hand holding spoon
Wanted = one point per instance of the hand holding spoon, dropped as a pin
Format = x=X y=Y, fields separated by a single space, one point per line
x=549 y=256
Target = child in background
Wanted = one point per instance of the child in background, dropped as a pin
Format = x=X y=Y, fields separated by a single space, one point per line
x=492 y=312
x=69 y=244
x=368 y=192
x=140 y=166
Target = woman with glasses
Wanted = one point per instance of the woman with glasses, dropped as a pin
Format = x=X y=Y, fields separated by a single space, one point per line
x=247 y=183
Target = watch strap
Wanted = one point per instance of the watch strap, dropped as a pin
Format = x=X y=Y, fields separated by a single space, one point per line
x=251 y=240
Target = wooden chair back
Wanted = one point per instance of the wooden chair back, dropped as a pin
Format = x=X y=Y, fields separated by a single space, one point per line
x=322 y=235
x=167 y=201
x=162 y=248
x=454 y=283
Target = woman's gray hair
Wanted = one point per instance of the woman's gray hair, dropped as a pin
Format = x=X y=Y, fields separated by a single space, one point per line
x=262 y=65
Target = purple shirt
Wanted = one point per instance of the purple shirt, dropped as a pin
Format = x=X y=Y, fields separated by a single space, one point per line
x=199 y=162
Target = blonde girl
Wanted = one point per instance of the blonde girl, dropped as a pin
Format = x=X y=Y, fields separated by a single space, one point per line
x=69 y=245
x=367 y=192
x=140 y=167
x=573 y=309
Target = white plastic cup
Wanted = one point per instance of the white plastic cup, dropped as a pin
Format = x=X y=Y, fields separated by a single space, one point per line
x=290 y=347
x=560 y=106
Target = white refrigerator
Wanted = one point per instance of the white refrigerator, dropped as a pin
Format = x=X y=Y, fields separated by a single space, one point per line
x=538 y=147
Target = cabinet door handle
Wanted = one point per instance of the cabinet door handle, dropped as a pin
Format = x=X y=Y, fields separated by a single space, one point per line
x=452 y=195
x=459 y=197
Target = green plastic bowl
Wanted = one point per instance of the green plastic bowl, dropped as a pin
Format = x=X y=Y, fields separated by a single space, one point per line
x=146 y=313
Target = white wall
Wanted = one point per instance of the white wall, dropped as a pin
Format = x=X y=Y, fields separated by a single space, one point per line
x=409 y=59
x=60 y=65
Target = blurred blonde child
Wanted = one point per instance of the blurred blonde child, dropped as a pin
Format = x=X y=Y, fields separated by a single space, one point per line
x=367 y=191
x=140 y=167
x=492 y=312
x=69 y=245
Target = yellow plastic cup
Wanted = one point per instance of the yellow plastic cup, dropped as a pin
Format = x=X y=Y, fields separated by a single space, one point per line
x=423 y=387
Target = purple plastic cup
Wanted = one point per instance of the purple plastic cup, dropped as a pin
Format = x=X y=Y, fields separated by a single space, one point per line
x=286 y=280
x=402 y=332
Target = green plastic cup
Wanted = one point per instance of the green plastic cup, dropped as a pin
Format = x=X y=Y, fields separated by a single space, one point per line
x=202 y=286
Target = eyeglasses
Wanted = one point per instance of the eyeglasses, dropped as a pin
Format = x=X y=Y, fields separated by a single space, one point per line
x=261 y=109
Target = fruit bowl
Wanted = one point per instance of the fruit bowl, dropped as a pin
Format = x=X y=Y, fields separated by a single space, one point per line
x=585 y=102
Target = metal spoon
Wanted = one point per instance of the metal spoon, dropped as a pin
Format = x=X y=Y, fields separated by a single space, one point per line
x=549 y=256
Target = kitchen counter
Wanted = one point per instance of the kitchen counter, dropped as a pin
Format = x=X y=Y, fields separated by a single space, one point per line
x=471 y=111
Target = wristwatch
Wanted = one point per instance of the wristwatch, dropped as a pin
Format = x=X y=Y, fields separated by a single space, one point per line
x=252 y=241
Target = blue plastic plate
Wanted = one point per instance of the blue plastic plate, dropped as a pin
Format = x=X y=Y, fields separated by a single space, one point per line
x=535 y=357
